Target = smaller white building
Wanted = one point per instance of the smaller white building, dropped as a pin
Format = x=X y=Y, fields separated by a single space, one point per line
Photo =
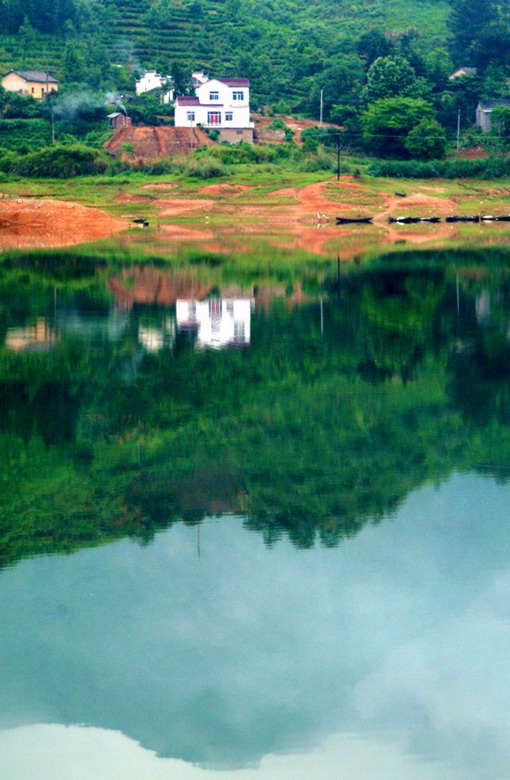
x=152 y=80
x=222 y=104
x=198 y=77
x=219 y=322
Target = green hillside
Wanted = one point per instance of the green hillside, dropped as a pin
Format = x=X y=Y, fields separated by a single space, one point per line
x=380 y=69
x=281 y=46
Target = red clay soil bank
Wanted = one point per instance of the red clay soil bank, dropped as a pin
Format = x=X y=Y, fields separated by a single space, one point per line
x=153 y=143
x=262 y=124
x=32 y=223
x=142 y=284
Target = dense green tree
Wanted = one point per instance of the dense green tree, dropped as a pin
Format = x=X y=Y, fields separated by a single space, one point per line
x=467 y=21
x=387 y=122
x=389 y=77
x=463 y=95
x=427 y=140
x=74 y=69
x=374 y=44
x=181 y=79
x=439 y=67
x=340 y=82
x=492 y=46
x=500 y=122
x=495 y=82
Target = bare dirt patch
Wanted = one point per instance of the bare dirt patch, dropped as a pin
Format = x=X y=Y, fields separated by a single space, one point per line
x=160 y=185
x=230 y=189
x=45 y=223
x=126 y=197
x=176 y=206
x=154 y=143
x=296 y=125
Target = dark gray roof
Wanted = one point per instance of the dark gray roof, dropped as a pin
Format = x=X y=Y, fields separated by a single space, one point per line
x=487 y=105
x=35 y=75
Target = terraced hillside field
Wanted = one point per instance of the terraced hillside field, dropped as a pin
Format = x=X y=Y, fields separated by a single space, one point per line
x=280 y=45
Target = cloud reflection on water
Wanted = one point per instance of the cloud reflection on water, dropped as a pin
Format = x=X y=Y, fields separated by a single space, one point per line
x=251 y=655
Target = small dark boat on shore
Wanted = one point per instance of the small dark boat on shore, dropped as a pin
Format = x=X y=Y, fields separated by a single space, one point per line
x=489 y=218
x=403 y=220
x=471 y=218
x=411 y=220
x=354 y=220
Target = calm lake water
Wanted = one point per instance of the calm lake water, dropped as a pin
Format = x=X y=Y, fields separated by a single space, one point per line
x=255 y=526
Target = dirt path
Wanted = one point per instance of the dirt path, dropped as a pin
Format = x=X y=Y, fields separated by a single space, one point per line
x=53 y=223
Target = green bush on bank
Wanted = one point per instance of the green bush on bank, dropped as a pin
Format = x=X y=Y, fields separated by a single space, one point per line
x=204 y=167
x=490 y=168
x=24 y=135
x=58 y=161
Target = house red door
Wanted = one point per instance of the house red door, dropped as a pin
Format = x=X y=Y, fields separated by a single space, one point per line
x=213 y=118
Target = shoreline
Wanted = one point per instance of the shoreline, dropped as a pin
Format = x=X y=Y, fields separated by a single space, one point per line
x=232 y=215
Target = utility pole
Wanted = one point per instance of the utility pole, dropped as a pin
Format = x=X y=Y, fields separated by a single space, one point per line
x=458 y=129
x=322 y=105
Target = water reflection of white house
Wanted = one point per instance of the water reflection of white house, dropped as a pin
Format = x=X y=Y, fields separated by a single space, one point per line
x=219 y=322
x=38 y=335
x=155 y=338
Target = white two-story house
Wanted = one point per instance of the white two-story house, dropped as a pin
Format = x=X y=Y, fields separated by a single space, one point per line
x=222 y=104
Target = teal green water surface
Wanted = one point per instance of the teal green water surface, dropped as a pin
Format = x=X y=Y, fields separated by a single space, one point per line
x=255 y=529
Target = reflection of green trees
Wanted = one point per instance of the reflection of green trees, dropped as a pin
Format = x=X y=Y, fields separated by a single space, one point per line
x=99 y=440
x=399 y=309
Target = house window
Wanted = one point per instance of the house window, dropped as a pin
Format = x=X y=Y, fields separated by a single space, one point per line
x=214 y=118
x=238 y=95
x=229 y=116
x=190 y=116
x=239 y=334
x=214 y=95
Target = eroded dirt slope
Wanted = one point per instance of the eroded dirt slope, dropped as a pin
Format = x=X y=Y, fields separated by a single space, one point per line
x=153 y=143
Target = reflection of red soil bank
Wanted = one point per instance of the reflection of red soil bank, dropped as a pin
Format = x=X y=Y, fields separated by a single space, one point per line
x=32 y=223
x=137 y=284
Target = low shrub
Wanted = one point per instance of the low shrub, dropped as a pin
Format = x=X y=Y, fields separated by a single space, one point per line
x=24 y=135
x=319 y=163
x=204 y=167
x=62 y=162
x=8 y=160
x=492 y=167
